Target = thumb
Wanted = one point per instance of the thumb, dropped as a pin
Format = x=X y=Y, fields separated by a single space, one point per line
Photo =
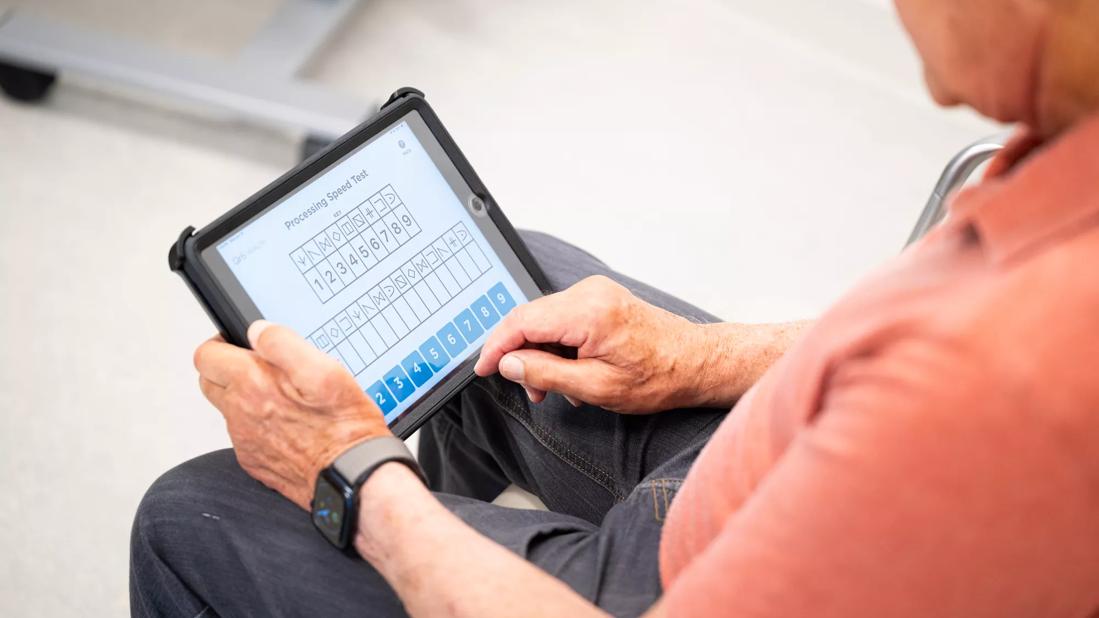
x=577 y=379
x=307 y=367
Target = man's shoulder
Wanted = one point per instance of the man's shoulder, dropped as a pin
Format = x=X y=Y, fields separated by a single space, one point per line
x=1046 y=305
x=1036 y=331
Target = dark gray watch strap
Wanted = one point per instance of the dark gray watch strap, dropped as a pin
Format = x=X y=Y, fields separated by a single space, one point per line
x=361 y=460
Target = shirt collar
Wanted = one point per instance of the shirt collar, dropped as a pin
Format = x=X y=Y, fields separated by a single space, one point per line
x=1034 y=193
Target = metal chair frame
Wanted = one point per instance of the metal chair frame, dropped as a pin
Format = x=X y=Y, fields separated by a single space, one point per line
x=957 y=172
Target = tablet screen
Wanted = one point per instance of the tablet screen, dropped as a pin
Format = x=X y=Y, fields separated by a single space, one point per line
x=380 y=262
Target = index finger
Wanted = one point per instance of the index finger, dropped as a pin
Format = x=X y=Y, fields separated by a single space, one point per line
x=550 y=319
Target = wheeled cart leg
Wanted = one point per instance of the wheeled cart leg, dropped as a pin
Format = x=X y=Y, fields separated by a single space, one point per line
x=23 y=84
x=260 y=85
x=312 y=144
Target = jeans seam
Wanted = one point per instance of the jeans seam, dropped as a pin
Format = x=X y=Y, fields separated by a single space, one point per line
x=663 y=496
x=656 y=506
x=559 y=449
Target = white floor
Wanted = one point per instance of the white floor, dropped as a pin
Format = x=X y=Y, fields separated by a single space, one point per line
x=753 y=157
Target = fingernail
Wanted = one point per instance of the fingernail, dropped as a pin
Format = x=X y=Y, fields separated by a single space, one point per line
x=575 y=402
x=530 y=393
x=256 y=329
x=511 y=367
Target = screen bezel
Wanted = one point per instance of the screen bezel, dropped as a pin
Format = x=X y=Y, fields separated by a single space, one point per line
x=233 y=309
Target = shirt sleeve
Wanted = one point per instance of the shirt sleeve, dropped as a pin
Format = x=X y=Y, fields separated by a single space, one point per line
x=924 y=486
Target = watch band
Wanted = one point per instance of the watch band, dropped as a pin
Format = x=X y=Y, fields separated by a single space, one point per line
x=357 y=463
x=335 y=505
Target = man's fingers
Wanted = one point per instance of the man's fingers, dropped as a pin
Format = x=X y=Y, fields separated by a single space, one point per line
x=535 y=395
x=220 y=362
x=541 y=371
x=305 y=365
x=550 y=319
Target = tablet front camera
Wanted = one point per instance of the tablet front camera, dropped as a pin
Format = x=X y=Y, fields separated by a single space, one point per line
x=477 y=205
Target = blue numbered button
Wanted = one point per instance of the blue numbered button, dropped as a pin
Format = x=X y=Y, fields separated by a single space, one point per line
x=382 y=397
x=416 y=368
x=435 y=354
x=485 y=312
x=500 y=297
x=452 y=341
x=468 y=326
x=399 y=384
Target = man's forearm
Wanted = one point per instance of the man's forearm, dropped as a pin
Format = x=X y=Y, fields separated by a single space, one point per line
x=439 y=566
x=733 y=357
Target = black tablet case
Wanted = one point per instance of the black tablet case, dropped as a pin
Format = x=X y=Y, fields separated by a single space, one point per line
x=183 y=256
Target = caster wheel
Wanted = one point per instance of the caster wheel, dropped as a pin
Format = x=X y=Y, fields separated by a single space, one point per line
x=312 y=145
x=26 y=85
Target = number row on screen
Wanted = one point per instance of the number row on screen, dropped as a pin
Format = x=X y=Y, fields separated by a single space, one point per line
x=445 y=346
x=350 y=248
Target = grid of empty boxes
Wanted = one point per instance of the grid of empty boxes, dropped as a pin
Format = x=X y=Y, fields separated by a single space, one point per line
x=405 y=298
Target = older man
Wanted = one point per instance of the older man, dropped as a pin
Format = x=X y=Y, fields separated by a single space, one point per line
x=927 y=448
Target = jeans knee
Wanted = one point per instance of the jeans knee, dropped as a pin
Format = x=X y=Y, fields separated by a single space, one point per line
x=178 y=492
x=172 y=531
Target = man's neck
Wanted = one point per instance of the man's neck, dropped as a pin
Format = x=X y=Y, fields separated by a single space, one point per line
x=1068 y=89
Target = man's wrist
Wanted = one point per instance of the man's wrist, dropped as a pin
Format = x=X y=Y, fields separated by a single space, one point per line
x=716 y=383
x=345 y=443
x=389 y=500
x=732 y=357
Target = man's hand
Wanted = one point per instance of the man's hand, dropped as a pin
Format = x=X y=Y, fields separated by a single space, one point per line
x=631 y=357
x=290 y=409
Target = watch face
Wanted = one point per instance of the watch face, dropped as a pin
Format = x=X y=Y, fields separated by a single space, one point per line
x=329 y=511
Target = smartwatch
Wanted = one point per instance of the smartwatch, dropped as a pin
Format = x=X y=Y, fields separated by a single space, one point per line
x=335 y=505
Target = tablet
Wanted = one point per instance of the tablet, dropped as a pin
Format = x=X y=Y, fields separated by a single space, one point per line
x=385 y=251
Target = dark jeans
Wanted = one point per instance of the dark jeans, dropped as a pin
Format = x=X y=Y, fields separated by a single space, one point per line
x=208 y=540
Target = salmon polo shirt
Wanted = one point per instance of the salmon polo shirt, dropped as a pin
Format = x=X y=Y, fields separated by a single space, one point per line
x=931 y=446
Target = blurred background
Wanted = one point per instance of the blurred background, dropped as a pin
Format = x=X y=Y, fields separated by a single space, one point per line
x=754 y=158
